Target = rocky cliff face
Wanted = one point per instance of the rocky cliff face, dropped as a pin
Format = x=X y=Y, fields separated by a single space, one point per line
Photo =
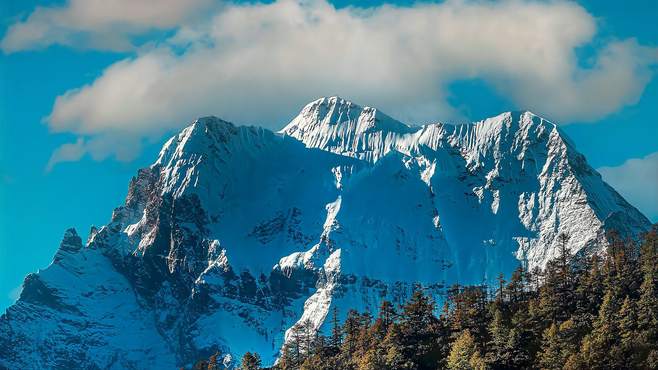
x=235 y=234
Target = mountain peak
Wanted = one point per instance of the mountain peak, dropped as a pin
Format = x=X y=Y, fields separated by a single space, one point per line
x=203 y=125
x=340 y=126
x=198 y=137
x=327 y=112
x=71 y=243
x=329 y=103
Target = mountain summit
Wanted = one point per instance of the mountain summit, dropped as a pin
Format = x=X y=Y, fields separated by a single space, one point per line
x=236 y=234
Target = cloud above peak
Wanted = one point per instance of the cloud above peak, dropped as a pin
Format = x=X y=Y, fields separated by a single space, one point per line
x=259 y=63
x=634 y=179
x=98 y=24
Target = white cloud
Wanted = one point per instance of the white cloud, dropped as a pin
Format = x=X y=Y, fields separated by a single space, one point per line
x=99 y=24
x=637 y=180
x=259 y=63
x=69 y=152
x=122 y=147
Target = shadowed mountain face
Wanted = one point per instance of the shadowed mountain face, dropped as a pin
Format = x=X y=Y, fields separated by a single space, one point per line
x=235 y=234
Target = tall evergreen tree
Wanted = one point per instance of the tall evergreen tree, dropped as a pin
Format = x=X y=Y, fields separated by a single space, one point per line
x=420 y=332
x=628 y=334
x=336 y=331
x=396 y=354
x=647 y=305
x=499 y=332
x=551 y=358
x=464 y=354
x=601 y=349
x=559 y=343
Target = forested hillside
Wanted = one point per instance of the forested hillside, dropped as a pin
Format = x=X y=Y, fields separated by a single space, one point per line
x=580 y=312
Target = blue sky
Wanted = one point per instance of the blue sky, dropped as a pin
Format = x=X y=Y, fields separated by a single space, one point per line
x=89 y=92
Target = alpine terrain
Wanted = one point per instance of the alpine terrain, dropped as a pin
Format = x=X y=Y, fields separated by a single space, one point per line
x=236 y=234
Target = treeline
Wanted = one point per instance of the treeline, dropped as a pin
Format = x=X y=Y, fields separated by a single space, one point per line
x=593 y=312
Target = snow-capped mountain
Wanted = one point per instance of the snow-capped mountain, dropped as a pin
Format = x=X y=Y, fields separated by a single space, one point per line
x=235 y=234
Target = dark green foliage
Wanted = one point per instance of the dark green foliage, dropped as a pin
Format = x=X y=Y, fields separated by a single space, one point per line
x=580 y=312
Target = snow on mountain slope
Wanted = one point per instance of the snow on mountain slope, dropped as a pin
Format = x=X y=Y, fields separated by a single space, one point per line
x=235 y=234
x=527 y=179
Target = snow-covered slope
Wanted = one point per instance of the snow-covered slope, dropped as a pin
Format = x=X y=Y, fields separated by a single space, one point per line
x=235 y=234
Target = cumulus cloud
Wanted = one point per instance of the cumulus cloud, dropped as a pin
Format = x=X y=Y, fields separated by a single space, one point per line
x=258 y=63
x=98 y=24
x=637 y=180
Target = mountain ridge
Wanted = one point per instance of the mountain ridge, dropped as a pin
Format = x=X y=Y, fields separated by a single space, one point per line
x=236 y=233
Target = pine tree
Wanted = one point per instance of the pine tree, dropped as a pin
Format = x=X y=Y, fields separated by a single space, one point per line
x=559 y=344
x=499 y=332
x=623 y=273
x=518 y=356
x=365 y=339
x=470 y=312
x=418 y=313
x=591 y=288
x=571 y=335
x=551 y=356
x=396 y=356
x=601 y=348
x=385 y=319
x=250 y=361
x=500 y=292
x=464 y=354
x=293 y=353
x=515 y=289
x=647 y=305
x=557 y=290
x=421 y=332
x=308 y=336
x=336 y=332
x=290 y=359
x=372 y=359
x=317 y=362
x=351 y=332
x=628 y=332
